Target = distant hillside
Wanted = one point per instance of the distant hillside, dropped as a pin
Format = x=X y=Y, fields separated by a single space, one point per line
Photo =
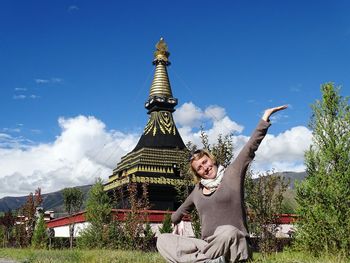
x=51 y=201
x=293 y=177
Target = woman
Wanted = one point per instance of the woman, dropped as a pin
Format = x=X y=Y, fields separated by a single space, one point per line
x=219 y=198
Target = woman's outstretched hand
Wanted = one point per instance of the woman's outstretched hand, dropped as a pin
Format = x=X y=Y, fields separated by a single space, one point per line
x=269 y=112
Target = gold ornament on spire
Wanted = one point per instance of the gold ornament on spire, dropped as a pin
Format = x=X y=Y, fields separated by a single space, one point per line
x=161 y=54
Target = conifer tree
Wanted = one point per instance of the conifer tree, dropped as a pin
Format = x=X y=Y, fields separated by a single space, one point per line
x=166 y=224
x=324 y=196
x=98 y=214
x=40 y=236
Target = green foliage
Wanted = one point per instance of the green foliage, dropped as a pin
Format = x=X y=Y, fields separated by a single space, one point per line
x=106 y=232
x=166 y=224
x=324 y=196
x=98 y=206
x=222 y=149
x=148 y=243
x=94 y=236
x=73 y=201
x=20 y=235
x=7 y=222
x=264 y=196
x=115 y=235
x=98 y=214
x=3 y=240
x=40 y=236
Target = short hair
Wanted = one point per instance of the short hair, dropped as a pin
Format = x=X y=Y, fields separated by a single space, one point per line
x=196 y=155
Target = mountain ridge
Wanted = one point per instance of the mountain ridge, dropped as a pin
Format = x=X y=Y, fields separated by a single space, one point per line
x=51 y=201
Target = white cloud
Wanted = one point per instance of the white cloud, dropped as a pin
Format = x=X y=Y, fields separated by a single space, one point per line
x=215 y=112
x=85 y=150
x=188 y=114
x=278 y=117
x=42 y=81
x=20 y=89
x=213 y=120
x=10 y=130
x=19 y=97
x=56 y=80
x=34 y=96
x=9 y=142
x=284 y=152
x=22 y=97
x=82 y=152
x=47 y=81
x=72 y=8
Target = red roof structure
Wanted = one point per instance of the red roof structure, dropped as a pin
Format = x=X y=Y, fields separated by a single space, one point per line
x=152 y=216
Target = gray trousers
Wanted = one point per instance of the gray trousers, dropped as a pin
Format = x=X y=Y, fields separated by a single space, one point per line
x=226 y=241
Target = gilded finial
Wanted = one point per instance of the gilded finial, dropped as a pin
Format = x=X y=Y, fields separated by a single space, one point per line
x=161 y=45
x=161 y=54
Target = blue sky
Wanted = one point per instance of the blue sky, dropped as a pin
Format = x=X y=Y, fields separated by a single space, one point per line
x=63 y=59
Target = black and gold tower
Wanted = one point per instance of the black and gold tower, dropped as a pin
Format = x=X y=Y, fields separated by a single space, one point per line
x=156 y=157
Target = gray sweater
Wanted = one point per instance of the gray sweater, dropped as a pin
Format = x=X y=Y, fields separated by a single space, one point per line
x=226 y=205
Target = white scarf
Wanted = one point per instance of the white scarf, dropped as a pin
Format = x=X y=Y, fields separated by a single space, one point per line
x=213 y=184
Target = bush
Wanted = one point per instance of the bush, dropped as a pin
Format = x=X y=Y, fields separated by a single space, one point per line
x=324 y=195
x=40 y=237
x=166 y=224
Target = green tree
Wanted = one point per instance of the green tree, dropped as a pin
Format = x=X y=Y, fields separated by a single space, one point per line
x=20 y=233
x=116 y=238
x=73 y=201
x=98 y=214
x=263 y=198
x=40 y=236
x=149 y=238
x=2 y=236
x=166 y=224
x=324 y=196
x=7 y=223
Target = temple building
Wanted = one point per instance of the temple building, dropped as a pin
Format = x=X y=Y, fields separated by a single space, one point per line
x=155 y=159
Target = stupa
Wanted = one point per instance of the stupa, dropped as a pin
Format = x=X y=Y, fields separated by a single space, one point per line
x=156 y=157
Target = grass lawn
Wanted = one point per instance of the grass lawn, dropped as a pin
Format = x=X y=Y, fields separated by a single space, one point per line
x=77 y=255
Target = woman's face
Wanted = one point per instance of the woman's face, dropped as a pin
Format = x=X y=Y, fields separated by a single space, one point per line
x=205 y=167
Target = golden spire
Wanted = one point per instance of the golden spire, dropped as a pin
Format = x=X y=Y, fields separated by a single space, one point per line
x=161 y=85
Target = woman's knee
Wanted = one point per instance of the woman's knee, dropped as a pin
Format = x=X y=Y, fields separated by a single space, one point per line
x=162 y=239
